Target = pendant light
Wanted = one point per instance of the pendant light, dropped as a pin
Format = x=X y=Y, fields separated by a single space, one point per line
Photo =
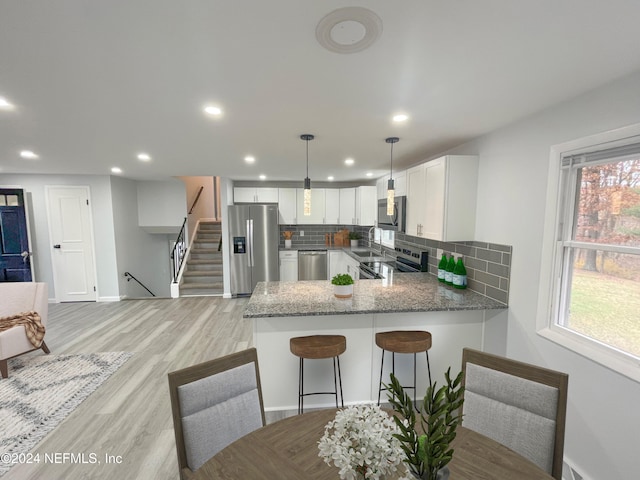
x=390 y=189
x=307 y=181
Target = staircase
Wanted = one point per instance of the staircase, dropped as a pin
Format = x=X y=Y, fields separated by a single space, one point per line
x=203 y=272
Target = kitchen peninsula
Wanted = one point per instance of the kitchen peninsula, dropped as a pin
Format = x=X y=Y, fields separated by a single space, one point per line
x=409 y=301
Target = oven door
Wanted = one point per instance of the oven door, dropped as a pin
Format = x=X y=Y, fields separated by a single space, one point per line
x=368 y=274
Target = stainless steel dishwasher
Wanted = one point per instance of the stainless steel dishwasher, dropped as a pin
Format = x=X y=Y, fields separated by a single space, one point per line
x=312 y=264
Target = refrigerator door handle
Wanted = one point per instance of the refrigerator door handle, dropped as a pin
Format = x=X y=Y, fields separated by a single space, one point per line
x=250 y=243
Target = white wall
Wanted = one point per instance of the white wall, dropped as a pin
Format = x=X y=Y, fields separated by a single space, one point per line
x=603 y=418
x=101 y=210
x=144 y=255
x=161 y=205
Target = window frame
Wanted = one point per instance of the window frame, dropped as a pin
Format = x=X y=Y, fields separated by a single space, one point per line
x=561 y=204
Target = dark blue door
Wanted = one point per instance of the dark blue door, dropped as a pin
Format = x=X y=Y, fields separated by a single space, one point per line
x=14 y=242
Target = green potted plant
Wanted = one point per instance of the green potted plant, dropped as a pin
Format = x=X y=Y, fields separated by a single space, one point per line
x=354 y=237
x=428 y=449
x=342 y=285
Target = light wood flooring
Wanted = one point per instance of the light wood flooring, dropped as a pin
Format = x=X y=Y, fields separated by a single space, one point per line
x=129 y=416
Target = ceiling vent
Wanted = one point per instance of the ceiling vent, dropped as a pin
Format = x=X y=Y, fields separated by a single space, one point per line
x=349 y=30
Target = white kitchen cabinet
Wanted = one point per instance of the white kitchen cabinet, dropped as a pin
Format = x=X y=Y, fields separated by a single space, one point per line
x=337 y=263
x=353 y=267
x=441 y=200
x=255 y=195
x=289 y=266
x=332 y=206
x=415 y=200
x=347 y=206
x=399 y=184
x=366 y=205
x=287 y=201
x=317 y=207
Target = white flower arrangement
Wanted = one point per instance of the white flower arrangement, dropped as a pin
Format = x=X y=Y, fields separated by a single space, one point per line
x=360 y=441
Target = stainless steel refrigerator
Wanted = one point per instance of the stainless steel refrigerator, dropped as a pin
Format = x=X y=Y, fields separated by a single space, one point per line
x=254 y=238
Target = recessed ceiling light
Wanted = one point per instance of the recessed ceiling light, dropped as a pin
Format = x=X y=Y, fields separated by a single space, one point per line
x=116 y=170
x=330 y=178
x=349 y=161
x=212 y=110
x=145 y=157
x=400 y=117
x=4 y=104
x=369 y=174
x=262 y=177
x=28 y=154
x=249 y=159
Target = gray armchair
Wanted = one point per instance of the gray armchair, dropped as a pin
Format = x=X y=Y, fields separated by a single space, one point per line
x=519 y=405
x=214 y=404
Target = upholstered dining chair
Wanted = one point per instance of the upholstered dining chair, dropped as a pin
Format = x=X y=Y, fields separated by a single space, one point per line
x=17 y=300
x=213 y=404
x=520 y=405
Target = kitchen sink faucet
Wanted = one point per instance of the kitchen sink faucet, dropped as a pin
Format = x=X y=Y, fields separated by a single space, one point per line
x=371 y=238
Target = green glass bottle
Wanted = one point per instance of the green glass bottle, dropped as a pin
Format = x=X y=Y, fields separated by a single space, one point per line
x=442 y=268
x=460 y=275
x=448 y=276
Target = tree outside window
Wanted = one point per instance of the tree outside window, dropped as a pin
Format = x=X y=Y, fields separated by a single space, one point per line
x=600 y=292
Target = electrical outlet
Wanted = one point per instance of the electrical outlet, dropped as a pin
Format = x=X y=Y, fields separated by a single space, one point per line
x=439 y=253
x=456 y=256
x=302 y=233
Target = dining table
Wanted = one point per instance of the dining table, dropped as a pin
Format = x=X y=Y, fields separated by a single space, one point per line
x=288 y=450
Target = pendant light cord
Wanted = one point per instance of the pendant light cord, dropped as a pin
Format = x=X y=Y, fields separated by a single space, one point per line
x=307 y=158
x=391 y=169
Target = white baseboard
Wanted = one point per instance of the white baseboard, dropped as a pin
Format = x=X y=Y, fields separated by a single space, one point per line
x=111 y=299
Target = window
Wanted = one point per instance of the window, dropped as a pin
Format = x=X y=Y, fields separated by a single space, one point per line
x=595 y=294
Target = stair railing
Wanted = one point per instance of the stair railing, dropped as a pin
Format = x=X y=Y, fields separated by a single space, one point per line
x=178 y=252
x=193 y=205
x=131 y=277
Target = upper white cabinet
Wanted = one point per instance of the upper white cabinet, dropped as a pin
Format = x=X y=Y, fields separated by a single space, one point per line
x=347 y=206
x=441 y=198
x=317 y=207
x=255 y=195
x=287 y=201
x=332 y=206
x=399 y=184
x=366 y=206
x=415 y=200
x=358 y=206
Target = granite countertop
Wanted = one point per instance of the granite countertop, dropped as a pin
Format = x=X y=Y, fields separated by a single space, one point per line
x=318 y=247
x=408 y=292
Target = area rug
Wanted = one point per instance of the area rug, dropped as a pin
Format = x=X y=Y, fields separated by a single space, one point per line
x=42 y=390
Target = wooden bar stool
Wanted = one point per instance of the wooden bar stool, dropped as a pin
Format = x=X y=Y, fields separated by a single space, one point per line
x=403 y=341
x=314 y=347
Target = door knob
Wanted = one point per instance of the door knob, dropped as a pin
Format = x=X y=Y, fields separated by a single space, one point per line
x=57 y=245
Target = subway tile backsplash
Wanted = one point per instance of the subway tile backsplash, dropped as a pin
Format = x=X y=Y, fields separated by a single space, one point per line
x=488 y=264
x=315 y=234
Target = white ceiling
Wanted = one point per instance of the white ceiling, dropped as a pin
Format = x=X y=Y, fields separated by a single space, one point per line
x=95 y=82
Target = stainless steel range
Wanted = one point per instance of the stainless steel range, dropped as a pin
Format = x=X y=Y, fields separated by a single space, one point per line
x=378 y=269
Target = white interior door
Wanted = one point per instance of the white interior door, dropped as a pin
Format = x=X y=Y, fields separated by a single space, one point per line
x=71 y=244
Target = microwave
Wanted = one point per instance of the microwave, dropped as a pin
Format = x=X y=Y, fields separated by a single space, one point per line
x=397 y=221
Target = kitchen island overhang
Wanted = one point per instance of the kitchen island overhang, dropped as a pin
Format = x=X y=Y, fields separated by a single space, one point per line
x=414 y=301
